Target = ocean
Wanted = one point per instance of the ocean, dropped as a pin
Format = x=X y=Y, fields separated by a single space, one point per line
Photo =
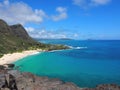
x=87 y=64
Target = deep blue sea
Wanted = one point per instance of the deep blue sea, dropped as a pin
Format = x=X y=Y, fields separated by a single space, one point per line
x=89 y=63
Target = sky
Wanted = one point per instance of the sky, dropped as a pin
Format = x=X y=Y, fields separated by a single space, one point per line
x=75 y=19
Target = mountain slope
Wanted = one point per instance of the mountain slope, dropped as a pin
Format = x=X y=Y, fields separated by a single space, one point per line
x=15 y=38
x=19 y=31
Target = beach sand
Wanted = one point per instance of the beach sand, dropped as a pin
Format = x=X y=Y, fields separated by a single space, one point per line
x=9 y=58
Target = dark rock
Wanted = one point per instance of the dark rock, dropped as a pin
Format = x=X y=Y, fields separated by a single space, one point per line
x=2 y=80
x=2 y=67
x=9 y=65
x=14 y=80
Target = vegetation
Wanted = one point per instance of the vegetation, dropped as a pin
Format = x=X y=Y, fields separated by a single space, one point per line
x=15 y=39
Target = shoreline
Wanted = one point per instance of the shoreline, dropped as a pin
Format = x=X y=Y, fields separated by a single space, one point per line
x=10 y=58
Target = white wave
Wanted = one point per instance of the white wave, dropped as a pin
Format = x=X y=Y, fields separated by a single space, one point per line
x=35 y=53
x=56 y=50
x=80 y=47
x=71 y=47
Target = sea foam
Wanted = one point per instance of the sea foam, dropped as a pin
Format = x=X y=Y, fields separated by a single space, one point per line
x=80 y=47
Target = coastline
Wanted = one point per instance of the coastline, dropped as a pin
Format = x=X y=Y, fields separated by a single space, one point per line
x=10 y=58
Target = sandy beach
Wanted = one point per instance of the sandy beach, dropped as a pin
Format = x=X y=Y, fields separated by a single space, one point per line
x=9 y=58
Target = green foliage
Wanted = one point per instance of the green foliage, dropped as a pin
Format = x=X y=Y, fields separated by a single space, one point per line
x=57 y=47
x=15 y=39
x=1 y=54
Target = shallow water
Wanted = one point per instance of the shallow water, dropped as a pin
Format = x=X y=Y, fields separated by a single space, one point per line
x=87 y=67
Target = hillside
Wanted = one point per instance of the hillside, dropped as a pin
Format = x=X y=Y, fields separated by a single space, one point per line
x=15 y=38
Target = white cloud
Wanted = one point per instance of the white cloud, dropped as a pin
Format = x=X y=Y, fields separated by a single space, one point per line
x=90 y=3
x=62 y=14
x=100 y=2
x=81 y=3
x=19 y=12
x=29 y=29
x=75 y=35
x=43 y=33
x=6 y=2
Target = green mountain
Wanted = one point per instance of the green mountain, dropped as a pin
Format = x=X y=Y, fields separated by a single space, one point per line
x=15 y=38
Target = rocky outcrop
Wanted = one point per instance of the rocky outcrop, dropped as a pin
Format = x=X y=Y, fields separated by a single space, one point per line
x=14 y=80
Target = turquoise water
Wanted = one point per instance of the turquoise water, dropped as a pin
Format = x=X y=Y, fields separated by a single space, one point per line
x=97 y=63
